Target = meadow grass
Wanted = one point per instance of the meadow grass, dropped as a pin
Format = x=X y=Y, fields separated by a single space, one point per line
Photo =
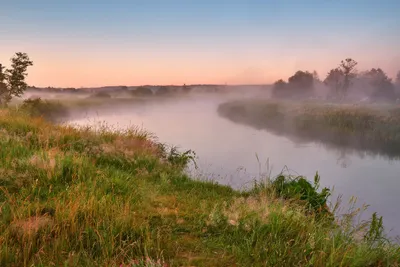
x=370 y=127
x=98 y=197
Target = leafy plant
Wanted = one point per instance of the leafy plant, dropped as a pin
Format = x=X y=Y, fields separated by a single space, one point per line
x=300 y=188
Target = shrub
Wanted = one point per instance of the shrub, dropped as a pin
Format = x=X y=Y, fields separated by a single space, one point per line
x=300 y=188
x=38 y=108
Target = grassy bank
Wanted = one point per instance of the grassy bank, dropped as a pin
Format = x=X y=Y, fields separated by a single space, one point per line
x=73 y=197
x=372 y=128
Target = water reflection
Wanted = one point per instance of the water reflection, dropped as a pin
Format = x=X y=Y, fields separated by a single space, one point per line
x=236 y=154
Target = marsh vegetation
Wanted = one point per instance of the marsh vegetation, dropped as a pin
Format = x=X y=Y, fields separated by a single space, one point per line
x=99 y=197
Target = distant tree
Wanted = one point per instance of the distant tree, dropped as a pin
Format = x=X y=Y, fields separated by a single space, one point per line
x=186 y=89
x=348 y=68
x=12 y=81
x=340 y=79
x=142 y=91
x=163 y=90
x=381 y=84
x=316 y=76
x=301 y=84
x=302 y=80
x=100 y=95
x=398 y=79
x=279 y=89
x=334 y=80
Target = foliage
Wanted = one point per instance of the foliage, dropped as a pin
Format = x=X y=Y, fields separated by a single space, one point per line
x=96 y=197
x=365 y=128
x=300 y=85
x=142 y=91
x=334 y=80
x=49 y=110
x=348 y=68
x=12 y=81
x=163 y=90
x=299 y=187
x=340 y=79
x=381 y=84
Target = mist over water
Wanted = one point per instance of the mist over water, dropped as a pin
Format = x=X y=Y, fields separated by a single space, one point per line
x=227 y=152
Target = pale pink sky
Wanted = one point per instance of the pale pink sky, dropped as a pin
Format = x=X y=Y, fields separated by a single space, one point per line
x=81 y=44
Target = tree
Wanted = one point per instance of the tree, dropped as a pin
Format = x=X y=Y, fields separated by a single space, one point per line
x=398 y=79
x=339 y=79
x=334 y=80
x=316 y=76
x=348 y=67
x=142 y=91
x=279 y=89
x=12 y=81
x=3 y=86
x=303 y=80
x=301 y=84
x=163 y=90
x=381 y=84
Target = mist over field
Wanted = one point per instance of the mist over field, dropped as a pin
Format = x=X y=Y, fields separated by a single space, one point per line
x=199 y=133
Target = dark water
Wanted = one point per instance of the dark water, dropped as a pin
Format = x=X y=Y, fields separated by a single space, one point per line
x=228 y=153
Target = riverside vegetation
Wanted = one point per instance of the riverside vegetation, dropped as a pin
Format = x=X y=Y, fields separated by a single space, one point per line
x=100 y=197
x=367 y=127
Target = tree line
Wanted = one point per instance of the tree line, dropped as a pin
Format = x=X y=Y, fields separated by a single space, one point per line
x=343 y=82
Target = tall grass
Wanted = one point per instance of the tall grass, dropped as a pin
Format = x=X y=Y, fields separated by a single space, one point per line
x=95 y=197
x=369 y=128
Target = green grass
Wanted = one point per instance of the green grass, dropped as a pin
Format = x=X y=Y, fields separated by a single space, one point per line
x=372 y=128
x=88 y=197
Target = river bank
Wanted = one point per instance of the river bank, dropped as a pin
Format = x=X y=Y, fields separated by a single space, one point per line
x=80 y=197
x=370 y=128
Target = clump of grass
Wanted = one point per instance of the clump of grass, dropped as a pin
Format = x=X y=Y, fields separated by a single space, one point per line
x=98 y=197
x=299 y=187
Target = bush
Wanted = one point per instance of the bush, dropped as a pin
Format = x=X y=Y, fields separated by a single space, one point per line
x=42 y=108
x=302 y=189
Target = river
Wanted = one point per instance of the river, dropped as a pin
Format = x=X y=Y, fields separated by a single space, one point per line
x=234 y=154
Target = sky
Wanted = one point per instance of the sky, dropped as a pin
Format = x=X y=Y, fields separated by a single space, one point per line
x=83 y=43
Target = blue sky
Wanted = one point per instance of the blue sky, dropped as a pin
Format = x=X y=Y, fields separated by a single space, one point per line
x=88 y=43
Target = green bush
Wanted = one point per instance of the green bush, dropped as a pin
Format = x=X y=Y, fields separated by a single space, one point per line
x=42 y=108
x=300 y=188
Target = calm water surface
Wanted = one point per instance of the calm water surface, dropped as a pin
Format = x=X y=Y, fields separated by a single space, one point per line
x=227 y=152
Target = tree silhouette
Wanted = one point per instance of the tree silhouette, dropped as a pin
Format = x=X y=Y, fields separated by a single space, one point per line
x=334 y=80
x=382 y=85
x=279 y=89
x=339 y=79
x=348 y=67
x=12 y=81
x=142 y=91
x=301 y=84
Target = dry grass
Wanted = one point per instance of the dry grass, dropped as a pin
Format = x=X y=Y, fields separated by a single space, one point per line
x=93 y=197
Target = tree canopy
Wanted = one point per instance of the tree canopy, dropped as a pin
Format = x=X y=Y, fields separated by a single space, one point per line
x=12 y=81
x=300 y=85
